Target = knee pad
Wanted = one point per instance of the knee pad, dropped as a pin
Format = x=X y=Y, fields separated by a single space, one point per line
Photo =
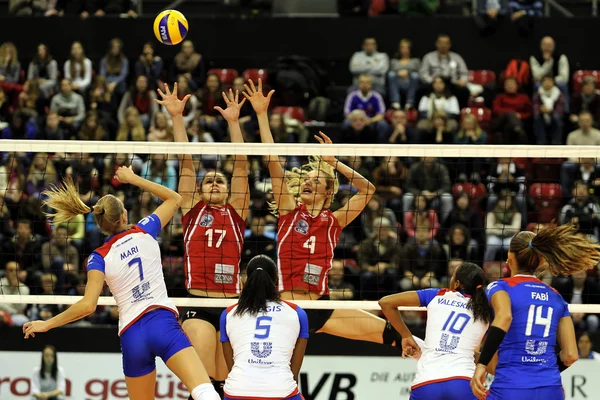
x=390 y=336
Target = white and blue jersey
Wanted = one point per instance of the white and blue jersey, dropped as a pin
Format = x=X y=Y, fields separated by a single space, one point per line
x=131 y=261
x=526 y=356
x=148 y=325
x=263 y=346
x=451 y=338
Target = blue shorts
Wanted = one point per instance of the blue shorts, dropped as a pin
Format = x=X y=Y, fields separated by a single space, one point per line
x=156 y=334
x=296 y=397
x=454 y=389
x=543 y=393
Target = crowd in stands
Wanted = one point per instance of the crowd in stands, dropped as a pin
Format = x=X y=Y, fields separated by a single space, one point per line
x=427 y=216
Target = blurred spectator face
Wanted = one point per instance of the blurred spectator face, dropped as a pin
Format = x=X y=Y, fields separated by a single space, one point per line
x=405 y=48
x=131 y=116
x=65 y=87
x=76 y=50
x=238 y=84
x=183 y=85
x=336 y=273
x=61 y=236
x=493 y=272
x=420 y=203
x=370 y=46
x=212 y=83
x=39 y=161
x=505 y=202
x=585 y=121
x=187 y=48
x=258 y=225
x=358 y=121
x=10 y=270
x=48 y=283
x=548 y=83
x=92 y=121
x=428 y=162
x=42 y=51
x=584 y=344
x=587 y=163
x=23 y=230
x=463 y=201
x=382 y=228
x=579 y=278
x=469 y=122
x=438 y=85
x=275 y=121
x=374 y=203
x=457 y=237
x=589 y=87
x=547 y=45
x=160 y=120
x=439 y=121
x=46 y=314
x=52 y=120
x=121 y=159
x=398 y=118
x=148 y=51
x=510 y=86
x=159 y=160
x=365 y=83
x=355 y=162
x=17 y=120
x=443 y=44
x=141 y=83
x=422 y=236
x=115 y=47
x=581 y=192
x=48 y=356
x=453 y=266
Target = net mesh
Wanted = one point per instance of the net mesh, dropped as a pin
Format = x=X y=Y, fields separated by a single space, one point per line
x=435 y=206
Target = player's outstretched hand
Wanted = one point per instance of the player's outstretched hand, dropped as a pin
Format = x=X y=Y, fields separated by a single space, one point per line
x=324 y=139
x=255 y=96
x=33 y=327
x=171 y=102
x=232 y=112
x=410 y=348
x=478 y=382
x=125 y=174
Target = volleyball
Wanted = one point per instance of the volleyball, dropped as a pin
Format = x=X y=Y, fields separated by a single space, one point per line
x=170 y=27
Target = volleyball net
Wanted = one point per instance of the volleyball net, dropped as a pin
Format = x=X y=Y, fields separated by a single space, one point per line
x=434 y=208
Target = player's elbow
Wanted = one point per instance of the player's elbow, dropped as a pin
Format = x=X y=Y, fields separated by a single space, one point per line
x=177 y=199
x=569 y=357
x=503 y=321
x=89 y=308
x=385 y=302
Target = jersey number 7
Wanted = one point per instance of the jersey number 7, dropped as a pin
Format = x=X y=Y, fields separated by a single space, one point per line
x=138 y=261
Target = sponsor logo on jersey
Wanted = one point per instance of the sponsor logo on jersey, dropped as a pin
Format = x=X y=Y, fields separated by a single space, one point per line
x=302 y=227
x=207 y=220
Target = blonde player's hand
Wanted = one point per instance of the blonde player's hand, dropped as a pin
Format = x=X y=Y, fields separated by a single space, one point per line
x=171 y=102
x=232 y=112
x=33 y=327
x=478 y=382
x=324 y=139
x=410 y=348
x=125 y=174
x=255 y=96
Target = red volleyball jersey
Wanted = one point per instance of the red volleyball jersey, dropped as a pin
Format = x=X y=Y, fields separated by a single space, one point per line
x=213 y=239
x=305 y=249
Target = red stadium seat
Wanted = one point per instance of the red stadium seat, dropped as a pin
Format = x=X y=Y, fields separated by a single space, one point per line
x=254 y=74
x=226 y=76
x=483 y=77
x=483 y=115
x=412 y=116
x=578 y=77
x=290 y=112
x=547 y=198
x=476 y=102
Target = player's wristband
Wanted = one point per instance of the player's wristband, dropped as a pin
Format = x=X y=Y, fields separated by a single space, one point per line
x=495 y=336
x=561 y=365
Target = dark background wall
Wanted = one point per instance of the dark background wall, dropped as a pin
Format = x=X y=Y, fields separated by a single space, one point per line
x=252 y=43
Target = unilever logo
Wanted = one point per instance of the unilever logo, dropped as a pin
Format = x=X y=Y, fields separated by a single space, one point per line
x=265 y=352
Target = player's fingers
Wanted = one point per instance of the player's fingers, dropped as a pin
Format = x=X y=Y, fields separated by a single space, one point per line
x=186 y=98
x=175 y=89
x=225 y=97
x=270 y=94
x=167 y=90
x=247 y=89
x=219 y=109
x=160 y=92
x=318 y=139
x=252 y=86
x=157 y=101
x=237 y=96
x=260 y=85
x=246 y=96
x=242 y=102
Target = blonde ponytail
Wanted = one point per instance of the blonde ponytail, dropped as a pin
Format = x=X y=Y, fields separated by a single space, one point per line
x=66 y=202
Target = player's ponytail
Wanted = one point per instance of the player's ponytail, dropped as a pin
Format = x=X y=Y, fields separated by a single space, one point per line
x=65 y=201
x=472 y=281
x=556 y=249
x=260 y=286
x=67 y=205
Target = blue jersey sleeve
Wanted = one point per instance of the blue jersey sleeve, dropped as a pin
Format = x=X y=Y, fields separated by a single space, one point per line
x=303 y=318
x=426 y=295
x=151 y=225
x=566 y=312
x=223 y=327
x=95 y=261
x=494 y=287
